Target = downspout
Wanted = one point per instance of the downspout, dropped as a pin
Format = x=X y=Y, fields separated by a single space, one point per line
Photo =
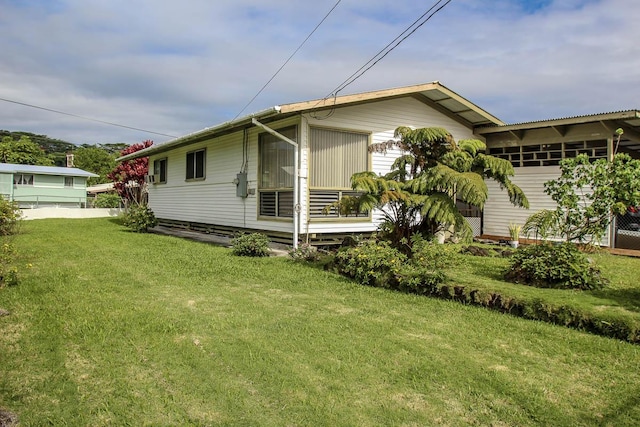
x=296 y=178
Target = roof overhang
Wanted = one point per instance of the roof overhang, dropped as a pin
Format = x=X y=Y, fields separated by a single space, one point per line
x=628 y=121
x=432 y=94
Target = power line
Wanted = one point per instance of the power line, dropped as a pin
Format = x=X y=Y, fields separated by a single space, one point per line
x=390 y=46
x=85 y=118
x=287 y=61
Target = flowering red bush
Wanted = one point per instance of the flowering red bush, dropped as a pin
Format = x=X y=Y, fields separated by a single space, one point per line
x=129 y=176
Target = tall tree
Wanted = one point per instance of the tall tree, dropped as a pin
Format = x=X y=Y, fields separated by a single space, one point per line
x=23 y=151
x=95 y=159
x=56 y=149
x=129 y=176
x=419 y=194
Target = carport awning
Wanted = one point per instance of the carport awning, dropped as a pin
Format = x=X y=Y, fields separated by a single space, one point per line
x=628 y=121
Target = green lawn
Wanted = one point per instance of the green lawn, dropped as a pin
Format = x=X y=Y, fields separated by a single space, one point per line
x=115 y=328
x=619 y=300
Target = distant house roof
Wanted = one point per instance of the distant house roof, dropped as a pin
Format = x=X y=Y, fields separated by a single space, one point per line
x=432 y=94
x=44 y=170
x=101 y=188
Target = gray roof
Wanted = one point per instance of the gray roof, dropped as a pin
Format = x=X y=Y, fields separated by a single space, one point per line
x=44 y=170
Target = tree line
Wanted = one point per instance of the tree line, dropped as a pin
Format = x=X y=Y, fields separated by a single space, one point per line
x=31 y=149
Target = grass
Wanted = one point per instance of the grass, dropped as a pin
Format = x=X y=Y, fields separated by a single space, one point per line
x=115 y=328
x=619 y=300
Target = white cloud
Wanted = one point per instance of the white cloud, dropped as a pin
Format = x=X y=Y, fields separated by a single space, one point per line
x=176 y=67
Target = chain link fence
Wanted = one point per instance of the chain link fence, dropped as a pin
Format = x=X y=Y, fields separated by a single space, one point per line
x=628 y=229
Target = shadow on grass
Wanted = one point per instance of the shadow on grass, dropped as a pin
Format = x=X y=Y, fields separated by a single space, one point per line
x=626 y=298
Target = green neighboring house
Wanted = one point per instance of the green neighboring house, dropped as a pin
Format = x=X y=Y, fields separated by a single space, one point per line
x=44 y=186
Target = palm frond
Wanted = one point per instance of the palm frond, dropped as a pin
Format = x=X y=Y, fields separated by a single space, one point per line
x=494 y=167
x=516 y=195
x=458 y=160
x=472 y=146
x=544 y=224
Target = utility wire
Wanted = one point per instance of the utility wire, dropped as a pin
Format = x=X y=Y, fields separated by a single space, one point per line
x=287 y=61
x=389 y=47
x=85 y=118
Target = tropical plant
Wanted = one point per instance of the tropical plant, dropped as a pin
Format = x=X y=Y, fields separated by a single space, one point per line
x=554 y=266
x=129 y=176
x=514 y=231
x=433 y=171
x=588 y=195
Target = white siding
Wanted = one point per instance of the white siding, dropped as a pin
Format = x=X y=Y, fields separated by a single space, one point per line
x=380 y=119
x=498 y=210
x=214 y=200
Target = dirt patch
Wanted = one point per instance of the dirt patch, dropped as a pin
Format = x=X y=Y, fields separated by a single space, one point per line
x=4 y=312
x=8 y=419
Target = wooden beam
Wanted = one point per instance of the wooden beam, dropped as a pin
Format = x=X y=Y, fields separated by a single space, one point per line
x=561 y=130
x=518 y=134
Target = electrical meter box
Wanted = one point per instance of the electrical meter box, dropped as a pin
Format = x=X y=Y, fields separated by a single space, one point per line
x=241 y=184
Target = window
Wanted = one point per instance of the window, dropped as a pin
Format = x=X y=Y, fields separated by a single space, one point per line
x=160 y=170
x=335 y=155
x=196 y=164
x=276 y=174
x=68 y=181
x=22 y=179
x=550 y=154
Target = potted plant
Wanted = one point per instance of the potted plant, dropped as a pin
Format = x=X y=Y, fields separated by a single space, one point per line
x=514 y=234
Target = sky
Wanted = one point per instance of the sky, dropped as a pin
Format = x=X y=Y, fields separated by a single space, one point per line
x=175 y=67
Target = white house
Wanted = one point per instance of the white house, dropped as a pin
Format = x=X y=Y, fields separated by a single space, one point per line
x=276 y=169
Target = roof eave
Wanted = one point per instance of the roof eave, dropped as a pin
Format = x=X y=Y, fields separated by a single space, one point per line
x=204 y=133
x=621 y=115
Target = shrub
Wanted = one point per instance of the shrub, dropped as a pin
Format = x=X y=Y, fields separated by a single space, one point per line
x=8 y=269
x=554 y=266
x=433 y=256
x=305 y=252
x=377 y=263
x=139 y=218
x=9 y=217
x=107 y=200
x=253 y=245
x=370 y=263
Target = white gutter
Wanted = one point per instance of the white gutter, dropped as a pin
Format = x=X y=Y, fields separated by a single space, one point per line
x=204 y=132
x=296 y=179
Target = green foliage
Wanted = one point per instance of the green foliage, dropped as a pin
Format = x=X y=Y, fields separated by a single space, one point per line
x=107 y=200
x=305 y=252
x=8 y=269
x=588 y=194
x=371 y=262
x=139 y=218
x=542 y=224
x=55 y=149
x=554 y=266
x=419 y=194
x=9 y=217
x=97 y=160
x=433 y=256
x=379 y=264
x=252 y=245
x=23 y=152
